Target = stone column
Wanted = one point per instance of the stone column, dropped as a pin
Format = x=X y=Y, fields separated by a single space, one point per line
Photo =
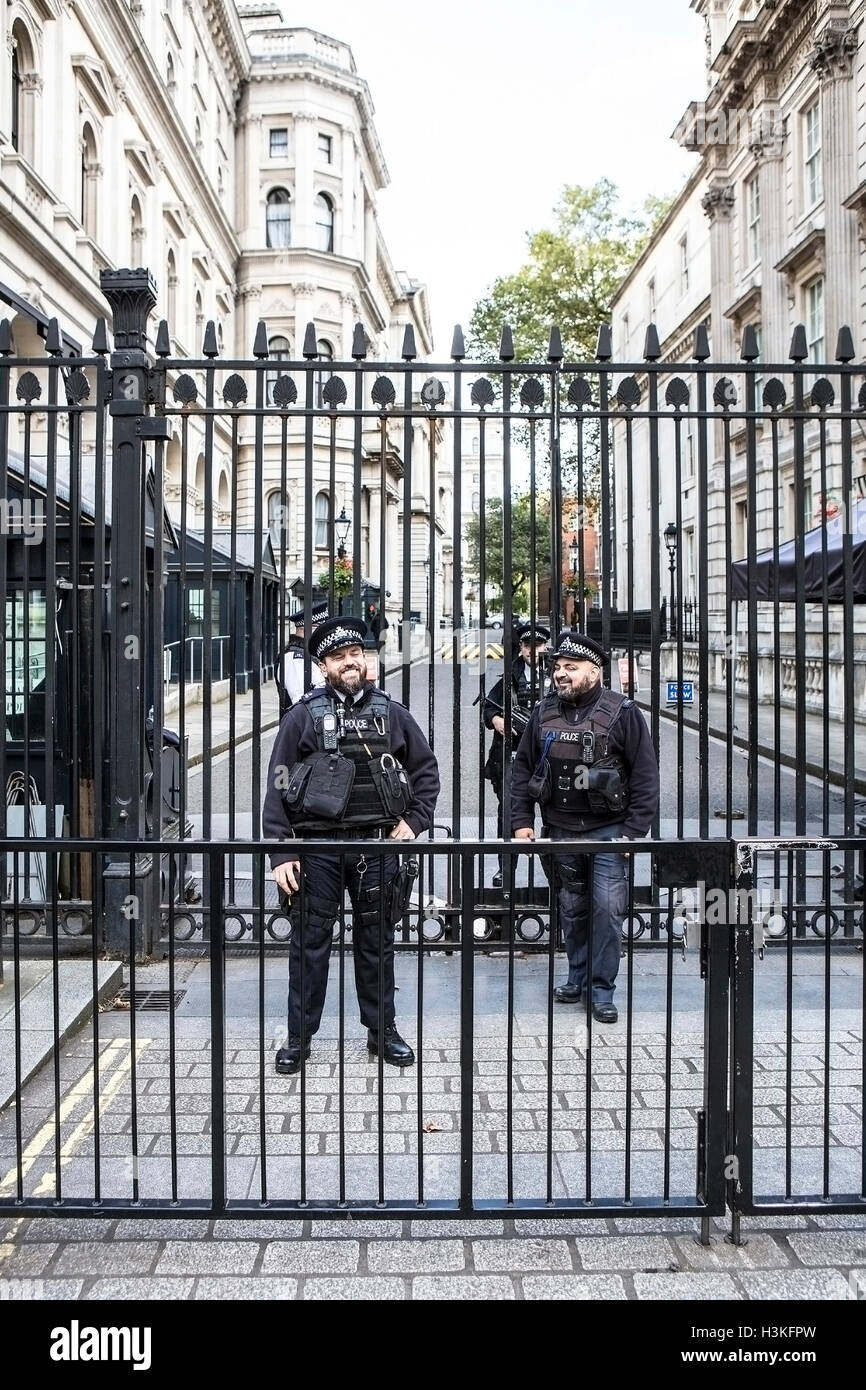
x=767 y=145
x=718 y=202
x=833 y=60
x=348 y=231
x=303 y=219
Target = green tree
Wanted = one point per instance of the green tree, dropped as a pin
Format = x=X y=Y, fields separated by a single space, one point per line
x=526 y=561
x=569 y=277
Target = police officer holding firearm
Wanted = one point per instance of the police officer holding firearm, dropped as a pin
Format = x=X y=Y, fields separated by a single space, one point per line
x=587 y=760
x=527 y=686
x=348 y=763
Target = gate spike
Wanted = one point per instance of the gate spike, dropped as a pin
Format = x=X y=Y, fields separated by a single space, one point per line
x=845 y=345
x=210 y=346
x=651 y=346
x=162 y=346
x=702 y=343
x=799 y=347
x=100 y=338
x=53 y=340
x=749 y=351
x=310 y=348
x=7 y=345
x=554 y=346
x=260 y=345
x=359 y=342
x=458 y=347
x=408 y=350
x=604 y=343
x=506 y=344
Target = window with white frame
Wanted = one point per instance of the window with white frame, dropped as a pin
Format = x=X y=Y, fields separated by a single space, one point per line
x=684 y=265
x=812 y=174
x=805 y=517
x=326 y=148
x=651 y=301
x=326 y=353
x=626 y=333
x=322 y=520
x=324 y=210
x=278 y=218
x=278 y=350
x=815 y=319
x=753 y=219
x=278 y=519
x=279 y=142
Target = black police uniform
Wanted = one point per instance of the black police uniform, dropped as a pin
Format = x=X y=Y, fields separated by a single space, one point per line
x=527 y=687
x=592 y=770
x=302 y=799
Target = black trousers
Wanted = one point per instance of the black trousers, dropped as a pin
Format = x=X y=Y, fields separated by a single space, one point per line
x=368 y=881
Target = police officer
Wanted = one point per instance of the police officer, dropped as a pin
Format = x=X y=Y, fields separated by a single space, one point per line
x=348 y=763
x=294 y=661
x=527 y=686
x=588 y=761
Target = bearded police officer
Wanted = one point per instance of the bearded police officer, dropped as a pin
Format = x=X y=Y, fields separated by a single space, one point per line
x=528 y=684
x=348 y=763
x=588 y=761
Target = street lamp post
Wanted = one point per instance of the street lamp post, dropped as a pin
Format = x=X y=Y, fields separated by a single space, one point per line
x=672 y=535
x=342 y=527
x=575 y=551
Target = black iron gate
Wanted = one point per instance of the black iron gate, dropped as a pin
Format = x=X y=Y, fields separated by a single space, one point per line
x=451 y=499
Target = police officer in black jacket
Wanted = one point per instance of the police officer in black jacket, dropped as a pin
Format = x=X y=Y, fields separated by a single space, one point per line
x=348 y=763
x=588 y=761
x=528 y=684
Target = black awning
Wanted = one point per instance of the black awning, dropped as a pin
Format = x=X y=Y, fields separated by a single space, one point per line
x=774 y=574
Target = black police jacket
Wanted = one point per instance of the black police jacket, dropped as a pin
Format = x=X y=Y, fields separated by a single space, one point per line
x=297 y=739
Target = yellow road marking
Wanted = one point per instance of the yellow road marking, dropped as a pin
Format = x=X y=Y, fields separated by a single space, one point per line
x=41 y=1141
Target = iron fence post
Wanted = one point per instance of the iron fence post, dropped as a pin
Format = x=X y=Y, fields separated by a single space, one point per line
x=131 y=295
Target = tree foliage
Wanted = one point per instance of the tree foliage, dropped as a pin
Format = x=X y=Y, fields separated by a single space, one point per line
x=569 y=277
x=525 y=560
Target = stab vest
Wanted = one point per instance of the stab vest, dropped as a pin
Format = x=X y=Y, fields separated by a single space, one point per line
x=584 y=779
x=363 y=735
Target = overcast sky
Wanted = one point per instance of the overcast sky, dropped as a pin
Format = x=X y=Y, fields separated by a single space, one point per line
x=486 y=108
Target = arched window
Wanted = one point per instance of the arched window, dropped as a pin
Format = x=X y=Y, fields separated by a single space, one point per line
x=322 y=520
x=278 y=349
x=136 y=233
x=90 y=171
x=278 y=519
x=25 y=92
x=16 y=99
x=278 y=225
x=199 y=143
x=171 y=290
x=324 y=210
x=170 y=80
x=326 y=353
x=199 y=321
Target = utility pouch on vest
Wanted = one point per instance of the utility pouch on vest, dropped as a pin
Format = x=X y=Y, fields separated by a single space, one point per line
x=607 y=788
x=538 y=785
x=329 y=786
x=392 y=783
x=294 y=788
x=401 y=889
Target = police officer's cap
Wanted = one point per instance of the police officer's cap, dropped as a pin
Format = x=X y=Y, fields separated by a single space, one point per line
x=335 y=633
x=532 y=632
x=579 y=647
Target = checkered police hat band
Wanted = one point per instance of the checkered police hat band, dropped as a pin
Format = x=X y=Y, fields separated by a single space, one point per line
x=338 y=637
x=568 y=647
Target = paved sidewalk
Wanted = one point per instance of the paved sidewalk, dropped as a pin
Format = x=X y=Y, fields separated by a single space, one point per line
x=816 y=1258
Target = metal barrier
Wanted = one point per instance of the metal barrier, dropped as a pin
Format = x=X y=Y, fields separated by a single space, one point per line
x=517 y=1104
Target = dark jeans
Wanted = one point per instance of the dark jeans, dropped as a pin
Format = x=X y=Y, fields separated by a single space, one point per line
x=325 y=880
x=609 y=905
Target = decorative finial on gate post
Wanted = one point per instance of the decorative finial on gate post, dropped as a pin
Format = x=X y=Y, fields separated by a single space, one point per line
x=131 y=295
